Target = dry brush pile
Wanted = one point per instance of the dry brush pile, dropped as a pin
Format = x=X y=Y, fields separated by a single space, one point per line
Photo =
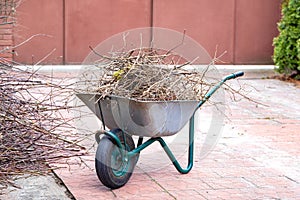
x=34 y=125
x=148 y=74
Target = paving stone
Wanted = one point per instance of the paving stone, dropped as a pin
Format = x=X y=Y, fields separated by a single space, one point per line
x=36 y=188
x=257 y=156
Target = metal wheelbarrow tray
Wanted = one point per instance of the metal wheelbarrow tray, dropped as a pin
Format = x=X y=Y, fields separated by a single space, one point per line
x=141 y=118
x=117 y=154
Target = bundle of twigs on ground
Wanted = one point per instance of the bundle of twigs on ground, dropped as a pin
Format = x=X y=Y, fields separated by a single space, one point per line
x=34 y=127
x=149 y=74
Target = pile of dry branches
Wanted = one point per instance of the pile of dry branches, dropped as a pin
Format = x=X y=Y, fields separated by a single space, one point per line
x=148 y=74
x=34 y=127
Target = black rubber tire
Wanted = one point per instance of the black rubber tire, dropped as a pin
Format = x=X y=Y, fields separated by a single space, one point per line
x=111 y=171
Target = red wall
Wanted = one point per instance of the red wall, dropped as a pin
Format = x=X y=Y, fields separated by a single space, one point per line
x=89 y=22
x=256 y=26
x=210 y=22
x=243 y=28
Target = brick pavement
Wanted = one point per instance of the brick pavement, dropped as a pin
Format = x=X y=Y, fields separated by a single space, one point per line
x=257 y=157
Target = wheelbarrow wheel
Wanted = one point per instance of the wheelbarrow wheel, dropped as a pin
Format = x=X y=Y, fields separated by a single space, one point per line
x=111 y=170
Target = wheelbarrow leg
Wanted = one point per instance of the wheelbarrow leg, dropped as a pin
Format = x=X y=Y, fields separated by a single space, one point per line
x=169 y=152
x=191 y=150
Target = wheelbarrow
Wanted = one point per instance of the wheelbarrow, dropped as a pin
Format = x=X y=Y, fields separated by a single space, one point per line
x=116 y=154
